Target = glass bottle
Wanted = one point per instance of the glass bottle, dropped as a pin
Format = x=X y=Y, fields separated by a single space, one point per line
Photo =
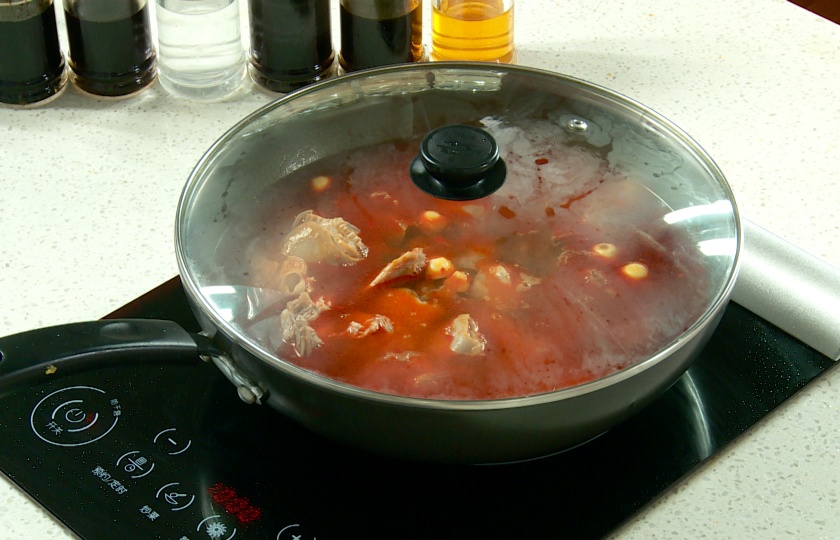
x=111 y=49
x=291 y=43
x=200 y=52
x=478 y=30
x=380 y=32
x=31 y=63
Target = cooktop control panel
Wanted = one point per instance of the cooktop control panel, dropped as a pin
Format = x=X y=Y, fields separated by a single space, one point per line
x=106 y=451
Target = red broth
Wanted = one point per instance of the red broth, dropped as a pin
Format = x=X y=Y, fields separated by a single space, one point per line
x=571 y=274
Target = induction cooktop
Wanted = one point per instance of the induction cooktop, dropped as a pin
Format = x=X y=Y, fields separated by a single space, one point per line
x=148 y=450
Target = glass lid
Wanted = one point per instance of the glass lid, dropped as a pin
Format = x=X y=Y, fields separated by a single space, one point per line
x=457 y=231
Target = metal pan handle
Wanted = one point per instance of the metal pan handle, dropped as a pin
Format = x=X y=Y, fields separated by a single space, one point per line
x=790 y=288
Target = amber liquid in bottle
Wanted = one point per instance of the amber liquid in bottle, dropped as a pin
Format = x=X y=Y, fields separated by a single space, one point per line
x=478 y=30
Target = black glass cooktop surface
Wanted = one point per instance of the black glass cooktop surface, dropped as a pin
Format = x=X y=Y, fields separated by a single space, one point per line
x=169 y=451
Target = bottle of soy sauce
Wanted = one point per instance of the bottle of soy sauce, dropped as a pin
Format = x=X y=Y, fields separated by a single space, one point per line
x=291 y=43
x=31 y=63
x=380 y=32
x=111 y=49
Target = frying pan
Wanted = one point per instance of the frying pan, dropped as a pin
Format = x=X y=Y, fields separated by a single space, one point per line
x=406 y=103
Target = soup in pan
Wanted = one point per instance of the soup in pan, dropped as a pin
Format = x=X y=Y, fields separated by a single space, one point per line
x=566 y=274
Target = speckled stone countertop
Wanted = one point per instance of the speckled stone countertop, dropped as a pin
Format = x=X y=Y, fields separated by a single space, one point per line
x=88 y=191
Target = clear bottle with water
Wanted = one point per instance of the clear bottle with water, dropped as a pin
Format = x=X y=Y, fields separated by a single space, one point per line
x=200 y=54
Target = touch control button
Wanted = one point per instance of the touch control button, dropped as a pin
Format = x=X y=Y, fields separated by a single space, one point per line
x=293 y=532
x=171 y=443
x=175 y=497
x=215 y=528
x=75 y=416
x=135 y=464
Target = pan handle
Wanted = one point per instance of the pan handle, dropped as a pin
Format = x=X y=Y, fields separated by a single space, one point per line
x=39 y=355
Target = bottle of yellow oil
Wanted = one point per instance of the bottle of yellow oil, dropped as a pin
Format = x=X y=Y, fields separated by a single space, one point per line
x=478 y=30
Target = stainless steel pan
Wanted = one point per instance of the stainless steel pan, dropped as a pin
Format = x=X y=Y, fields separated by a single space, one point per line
x=401 y=103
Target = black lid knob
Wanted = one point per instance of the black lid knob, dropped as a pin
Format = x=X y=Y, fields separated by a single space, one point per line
x=459 y=163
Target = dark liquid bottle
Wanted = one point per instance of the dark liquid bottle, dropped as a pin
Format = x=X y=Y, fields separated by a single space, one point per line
x=111 y=50
x=291 y=43
x=380 y=32
x=31 y=63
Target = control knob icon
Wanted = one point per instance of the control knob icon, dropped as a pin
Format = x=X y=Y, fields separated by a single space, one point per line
x=74 y=416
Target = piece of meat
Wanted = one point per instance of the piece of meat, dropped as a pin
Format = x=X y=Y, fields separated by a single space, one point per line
x=292 y=279
x=294 y=323
x=374 y=324
x=410 y=263
x=465 y=336
x=331 y=240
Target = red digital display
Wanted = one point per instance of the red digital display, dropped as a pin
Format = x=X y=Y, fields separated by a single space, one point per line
x=237 y=506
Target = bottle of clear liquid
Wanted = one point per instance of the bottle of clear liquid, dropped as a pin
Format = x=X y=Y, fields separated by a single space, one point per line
x=200 y=52
x=31 y=63
x=478 y=30
x=380 y=32
x=291 y=43
x=111 y=48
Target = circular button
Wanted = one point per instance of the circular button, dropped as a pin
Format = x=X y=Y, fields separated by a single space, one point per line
x=74 y=416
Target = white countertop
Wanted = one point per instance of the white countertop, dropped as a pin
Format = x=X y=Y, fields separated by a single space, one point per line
x=88 y=190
